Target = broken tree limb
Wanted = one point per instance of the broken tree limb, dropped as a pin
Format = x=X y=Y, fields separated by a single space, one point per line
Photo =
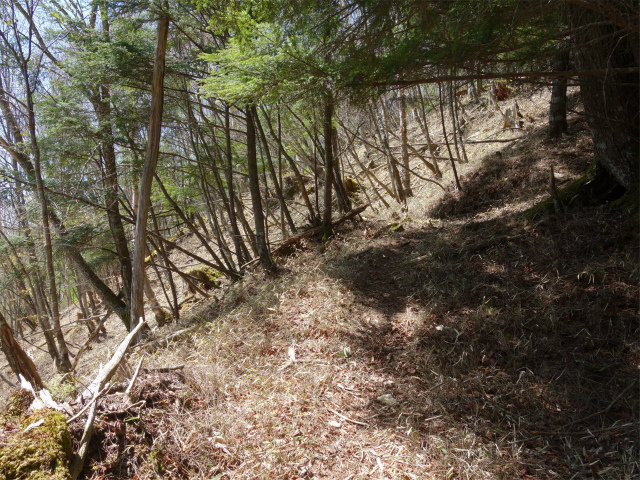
x=89 y=404
x=316 y=230
x=105 y=373
x=163 y=369
x=151 y=346
x=127 y=392
x=78 y=460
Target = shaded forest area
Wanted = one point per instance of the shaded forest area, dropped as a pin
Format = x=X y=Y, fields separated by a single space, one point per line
x=324 y=239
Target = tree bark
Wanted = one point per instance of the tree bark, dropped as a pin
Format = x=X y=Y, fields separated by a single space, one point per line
x=327 y=227
x=150 y=163
x=18 y=359
x=406 y=180
x=241 y=250
x=611 y=101
x=256 y=199
x=558 y=105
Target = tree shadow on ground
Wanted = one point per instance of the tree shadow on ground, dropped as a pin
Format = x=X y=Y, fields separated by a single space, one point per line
x=524 y=333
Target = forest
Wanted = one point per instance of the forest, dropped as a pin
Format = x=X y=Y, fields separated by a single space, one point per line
x=319 y=239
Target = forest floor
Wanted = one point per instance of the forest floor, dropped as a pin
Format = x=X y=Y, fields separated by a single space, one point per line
x=468 y=342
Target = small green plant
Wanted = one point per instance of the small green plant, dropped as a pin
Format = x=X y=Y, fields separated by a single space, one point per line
x=60 y=388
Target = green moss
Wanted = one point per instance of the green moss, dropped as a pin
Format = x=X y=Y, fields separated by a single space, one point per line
x=40 y=453
x=19 y=402
x=208 y=277
x=351 y=185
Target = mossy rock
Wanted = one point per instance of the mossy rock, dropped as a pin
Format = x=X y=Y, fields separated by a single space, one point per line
x=351 y=185
x=207 y=277
x=42 y=452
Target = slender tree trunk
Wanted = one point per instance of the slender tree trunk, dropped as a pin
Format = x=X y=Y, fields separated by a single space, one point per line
x=405 y=149
x=71 y=251
x=380 y=126
x=150 y=162
x=430 y=146
x=313 y=218
x=558 y=105
x=65 y=364
x=327 y=226
x=274 y=177
x=452 y=112
x=103 y=111
x=344 y=204
x=241 y=249
x=163 y=254
x=256 y=198
x=458 y=127
x=444 y=133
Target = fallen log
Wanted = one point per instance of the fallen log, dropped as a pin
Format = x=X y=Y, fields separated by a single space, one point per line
x=316 y=230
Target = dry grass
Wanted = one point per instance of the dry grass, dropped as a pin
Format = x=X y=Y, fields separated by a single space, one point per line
x=511 y=347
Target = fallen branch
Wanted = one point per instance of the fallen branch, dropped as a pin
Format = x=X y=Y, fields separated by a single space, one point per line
x=78 y=460
x=149 y=347
x=127 y=392
x=86 y=407
x=105 y=373
x=163 y=369
x=505 y=140
x=347 y=418
x=13 y=385
x=316 y=230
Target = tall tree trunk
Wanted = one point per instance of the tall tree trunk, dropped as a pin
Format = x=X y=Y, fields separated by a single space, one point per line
x=344 y=204
x=256 y=198
x=241 y=249
x=382 y=127
x=71 y=251
x=65 y=364
x=276 y=184
x=150 y=163
x=313 y=218
x=558 y=105
x=162 y=253
x=425 y=129
x=102 y=108
x=406 y=174
x=18 y=359
x=611 y=99
x=327 y=226
x=444 y=132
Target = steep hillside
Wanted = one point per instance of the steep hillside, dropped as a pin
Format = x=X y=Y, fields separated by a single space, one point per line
x=451 y=338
